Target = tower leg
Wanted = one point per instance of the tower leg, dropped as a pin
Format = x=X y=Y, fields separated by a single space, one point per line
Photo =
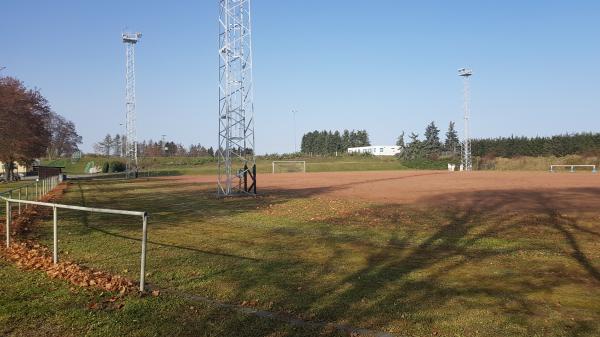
x=254 y=176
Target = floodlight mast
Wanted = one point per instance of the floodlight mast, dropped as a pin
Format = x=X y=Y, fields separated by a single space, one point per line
x=130 y=40
x=467 y=161
x=235 y=154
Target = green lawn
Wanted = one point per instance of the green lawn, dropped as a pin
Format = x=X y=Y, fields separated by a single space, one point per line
x=401 y=269
x=4 y=187
x=34 y=305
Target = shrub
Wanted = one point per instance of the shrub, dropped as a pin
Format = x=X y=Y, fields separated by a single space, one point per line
x=105 y=167
x=116 y=166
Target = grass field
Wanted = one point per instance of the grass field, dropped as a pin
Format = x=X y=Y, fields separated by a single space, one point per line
x=12 y=185
x=205 y=166
x=501 y=259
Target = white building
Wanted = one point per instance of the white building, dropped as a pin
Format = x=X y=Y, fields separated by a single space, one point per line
x=377 y=150
x=19 y=169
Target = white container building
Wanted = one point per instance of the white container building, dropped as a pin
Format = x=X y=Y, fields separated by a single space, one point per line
x=377 y=150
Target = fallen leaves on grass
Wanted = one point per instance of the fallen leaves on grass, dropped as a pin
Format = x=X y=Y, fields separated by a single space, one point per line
x=30 y=255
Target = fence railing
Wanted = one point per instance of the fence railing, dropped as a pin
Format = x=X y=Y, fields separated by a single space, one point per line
x=33 y=191
x=42 y=187
x=55 y=207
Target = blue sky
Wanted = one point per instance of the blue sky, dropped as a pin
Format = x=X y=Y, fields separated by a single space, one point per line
x=384 y=66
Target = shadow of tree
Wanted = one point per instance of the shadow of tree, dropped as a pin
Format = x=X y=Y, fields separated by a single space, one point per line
x=483 y=253
x=385 y=277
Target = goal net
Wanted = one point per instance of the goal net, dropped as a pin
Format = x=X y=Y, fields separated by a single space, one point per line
x=572 y=168
x=288 y=166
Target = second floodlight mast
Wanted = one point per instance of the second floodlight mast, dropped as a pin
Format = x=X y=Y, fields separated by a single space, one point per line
x=467 y=162
x=130 y=40
x=235 y=154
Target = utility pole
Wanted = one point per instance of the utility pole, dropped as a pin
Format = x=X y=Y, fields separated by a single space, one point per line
x=466 y=155
x=235 y=154
x=123 y=142
x=294 y=111
x=130 y=40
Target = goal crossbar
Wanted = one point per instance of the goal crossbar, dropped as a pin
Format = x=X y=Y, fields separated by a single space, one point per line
x=594 y=170
x=300 y=162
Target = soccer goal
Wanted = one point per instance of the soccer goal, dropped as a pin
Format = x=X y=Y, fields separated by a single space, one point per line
x=288 y=166
x=553 y=168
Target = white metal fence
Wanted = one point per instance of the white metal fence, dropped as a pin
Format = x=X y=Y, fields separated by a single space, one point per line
x=33 y=191
x=46 y=186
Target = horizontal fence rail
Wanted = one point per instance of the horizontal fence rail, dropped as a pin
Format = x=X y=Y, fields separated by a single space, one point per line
x=594 y=170
x=55 y=207
x=146 y=173
x=33 y=191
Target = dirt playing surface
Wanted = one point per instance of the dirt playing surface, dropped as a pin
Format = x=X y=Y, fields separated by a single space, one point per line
x=559 y=191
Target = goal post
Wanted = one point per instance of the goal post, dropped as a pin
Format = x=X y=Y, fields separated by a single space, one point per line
x=572 y=167
x=288 y=166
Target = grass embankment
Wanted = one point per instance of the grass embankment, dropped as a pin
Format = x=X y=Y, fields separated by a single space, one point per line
x=537 y=163
x=206 y=166
x=411 y=271
x=200 y=166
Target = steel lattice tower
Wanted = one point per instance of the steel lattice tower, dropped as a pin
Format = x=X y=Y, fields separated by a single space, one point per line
x=466 y=155
x=130 y=40
x=236 y=162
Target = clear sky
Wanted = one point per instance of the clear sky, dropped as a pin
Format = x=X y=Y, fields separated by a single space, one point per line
x=385 y=66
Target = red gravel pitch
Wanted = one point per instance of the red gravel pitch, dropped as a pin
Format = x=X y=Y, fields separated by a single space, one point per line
x=515 y=190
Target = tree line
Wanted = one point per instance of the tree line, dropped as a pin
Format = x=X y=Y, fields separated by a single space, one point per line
x=559 y=145
x=117 y=146
x=29 y=129
x=331 y=142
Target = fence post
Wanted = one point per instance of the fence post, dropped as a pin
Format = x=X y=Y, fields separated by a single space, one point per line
x=55 y=255
x=19 y=199
x=37 y=196
x=143 y=262
x=8 y=223
x=26 y=196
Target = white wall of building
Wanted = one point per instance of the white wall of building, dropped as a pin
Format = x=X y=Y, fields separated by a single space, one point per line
x=377 y=150
x=20 y=169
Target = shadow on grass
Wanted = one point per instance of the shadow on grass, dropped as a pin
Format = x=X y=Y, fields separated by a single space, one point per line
x=459 y=242
x=408 y=281
x=474 y=251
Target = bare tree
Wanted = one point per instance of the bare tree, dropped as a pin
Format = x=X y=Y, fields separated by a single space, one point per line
x=104 y=147
x=64 y=139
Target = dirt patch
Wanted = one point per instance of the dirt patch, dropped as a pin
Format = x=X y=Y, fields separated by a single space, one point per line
x=514 y=190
